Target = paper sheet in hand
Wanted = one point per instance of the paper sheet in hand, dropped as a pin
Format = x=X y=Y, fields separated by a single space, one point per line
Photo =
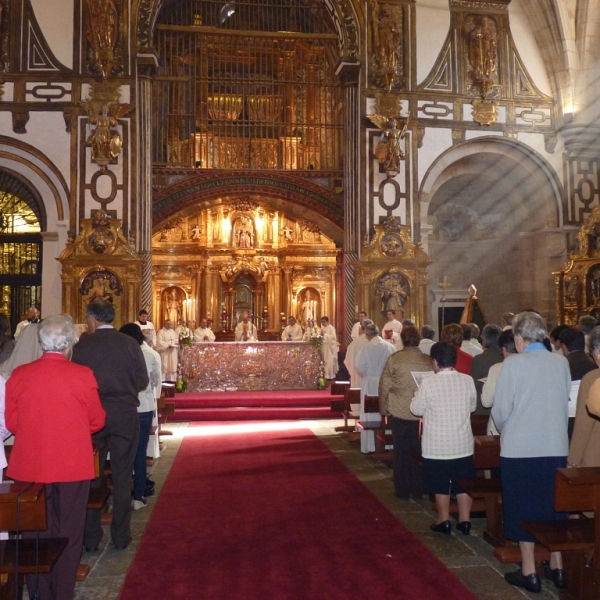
x=573 y=397
x=418 y=376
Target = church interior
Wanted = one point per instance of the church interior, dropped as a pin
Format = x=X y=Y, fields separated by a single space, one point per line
x=206 y=159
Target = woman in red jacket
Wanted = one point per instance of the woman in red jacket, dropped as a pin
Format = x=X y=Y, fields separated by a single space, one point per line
x=53 y=407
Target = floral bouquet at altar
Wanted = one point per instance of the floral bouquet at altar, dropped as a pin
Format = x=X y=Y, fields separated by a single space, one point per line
x=185 y=335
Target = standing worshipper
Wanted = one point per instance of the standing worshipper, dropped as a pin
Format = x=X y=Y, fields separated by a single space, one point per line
x=354 y=347
x=397 y=387
x=245 y=330
x=292 y=332
x=453 y=333
x=427 y=333
x=147 y=327
x=32 y=316
x=27 y=349
x=446 y=401
x=530 y=411
x=203 y=333
x=167 y=345
x=369 y=365
x=145 y=411
x=481 y=364
x=120 y=370
x=329 y=348
x=53 y=407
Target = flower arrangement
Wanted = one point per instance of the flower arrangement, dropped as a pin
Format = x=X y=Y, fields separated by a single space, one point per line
x=181 y=385
x=321 y=381
x=316 y=341
x=185 y=336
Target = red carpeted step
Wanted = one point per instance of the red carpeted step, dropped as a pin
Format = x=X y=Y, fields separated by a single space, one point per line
x=250 y=414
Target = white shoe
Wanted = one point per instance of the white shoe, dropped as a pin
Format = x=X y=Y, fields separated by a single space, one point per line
x=137 y=504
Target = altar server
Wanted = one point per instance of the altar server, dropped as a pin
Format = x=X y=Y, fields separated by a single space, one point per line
x=167 y=344
x=293 y=332
x=204 y=333
x=354 y=347
x=147 y=328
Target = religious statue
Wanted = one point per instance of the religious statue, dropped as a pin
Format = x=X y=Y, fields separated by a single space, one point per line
x=243 y=235
x=102 y=34
x=392 y=289
x=308 y=310
x=388 y=152
x=287 y=232
x=387 y=38
x=196 y=232
x=105 y=142
x=483 y=53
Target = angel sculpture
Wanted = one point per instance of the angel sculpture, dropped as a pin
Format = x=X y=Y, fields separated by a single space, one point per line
x=105 y=142
x=388 y=151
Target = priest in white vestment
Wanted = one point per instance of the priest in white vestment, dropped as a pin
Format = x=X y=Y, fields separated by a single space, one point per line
x=354 y=347
x=245 y=331
x=369 y=365
x=391 y=330
x=329 y=348
x=203 y=333
x=147 y=328
x=356 y=328
x=292 y=332
x=167 y=345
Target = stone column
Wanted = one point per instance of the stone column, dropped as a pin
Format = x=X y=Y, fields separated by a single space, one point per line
x=349 y=73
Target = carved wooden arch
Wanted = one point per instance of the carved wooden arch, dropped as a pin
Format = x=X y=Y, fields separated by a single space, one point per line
x=294 y=196
x=346 y=14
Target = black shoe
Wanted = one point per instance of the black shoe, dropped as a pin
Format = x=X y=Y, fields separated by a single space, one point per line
x=465 y=527
x=91 y=549
x=530 y=582
x=122 y=546
x=444 y=527
x=557 y=576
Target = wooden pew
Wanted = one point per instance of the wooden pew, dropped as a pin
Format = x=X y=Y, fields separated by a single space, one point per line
x=23 y=509
x=165 y=409
x=338 y=388
x=575 y=490
x=351 y=396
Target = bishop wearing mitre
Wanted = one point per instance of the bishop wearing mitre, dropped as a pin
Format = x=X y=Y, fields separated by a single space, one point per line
x=245 y=331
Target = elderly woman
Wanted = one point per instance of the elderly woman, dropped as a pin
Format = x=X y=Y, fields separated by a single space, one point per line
x=531 y=412
x=53 y=407
x=446 y=401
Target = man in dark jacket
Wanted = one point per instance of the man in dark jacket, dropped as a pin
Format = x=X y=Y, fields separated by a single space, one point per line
x=120 y=370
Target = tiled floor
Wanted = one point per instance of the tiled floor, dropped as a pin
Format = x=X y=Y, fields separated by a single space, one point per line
x=469 y=557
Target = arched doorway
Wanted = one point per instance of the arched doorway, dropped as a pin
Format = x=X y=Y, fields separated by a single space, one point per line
x=492 y=215
x=22 y=219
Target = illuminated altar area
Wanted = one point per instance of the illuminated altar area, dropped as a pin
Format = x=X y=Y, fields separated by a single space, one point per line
x=246 y=366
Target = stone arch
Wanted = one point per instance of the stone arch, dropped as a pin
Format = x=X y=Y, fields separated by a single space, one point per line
x=491 y=210
x=346 y=14
x=292 y=195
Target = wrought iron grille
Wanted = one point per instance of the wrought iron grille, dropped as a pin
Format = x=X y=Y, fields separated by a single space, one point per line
x=253 y=90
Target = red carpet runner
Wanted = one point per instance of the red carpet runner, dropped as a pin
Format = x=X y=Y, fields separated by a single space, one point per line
x=273 y=516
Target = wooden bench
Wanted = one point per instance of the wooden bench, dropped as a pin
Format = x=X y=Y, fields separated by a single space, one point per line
x=23 y=509
x=351 y=396
x=338 y=388
x=165 y=409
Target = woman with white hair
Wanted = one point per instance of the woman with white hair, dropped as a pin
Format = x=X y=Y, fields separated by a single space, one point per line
x=531 y=412
x=53 y=407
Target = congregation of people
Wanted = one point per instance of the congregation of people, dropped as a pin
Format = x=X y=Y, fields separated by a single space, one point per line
x=514 y=372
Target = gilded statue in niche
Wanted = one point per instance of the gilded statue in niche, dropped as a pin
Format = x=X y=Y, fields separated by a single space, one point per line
x=483 y=53
x=388 y=151
x=243 y=233
x=387 y=43
x=393 y=289
x=100 y=284
x=102 y=33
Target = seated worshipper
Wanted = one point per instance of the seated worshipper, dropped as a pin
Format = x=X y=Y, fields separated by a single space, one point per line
x=167 y=345
x=53 y=407
x=584 y=449
x=6 y=339
x=245 y=330
x=354 y=347
x=329 y=349
x=391 y=330
x=33 y=316
x=454 y=333
x=362 y=315
x=446 y=401
x=311 y=330
x=572 y=343
x=147 y=328
x=427 y=333
x=481 y=363
x=506 y=341
x=204 y=333
x=145 y=411
x=466 y=344
x=368 y=364
x=532 y=383
x=397 y=387
x=292 y=332
x=27 y=349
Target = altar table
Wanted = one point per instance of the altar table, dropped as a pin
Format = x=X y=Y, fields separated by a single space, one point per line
x=232 y=366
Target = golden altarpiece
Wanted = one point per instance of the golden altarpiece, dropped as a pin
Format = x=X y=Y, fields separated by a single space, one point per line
x=242 y=256
x=578 y=284
x=101 y=263
x=392 y=274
